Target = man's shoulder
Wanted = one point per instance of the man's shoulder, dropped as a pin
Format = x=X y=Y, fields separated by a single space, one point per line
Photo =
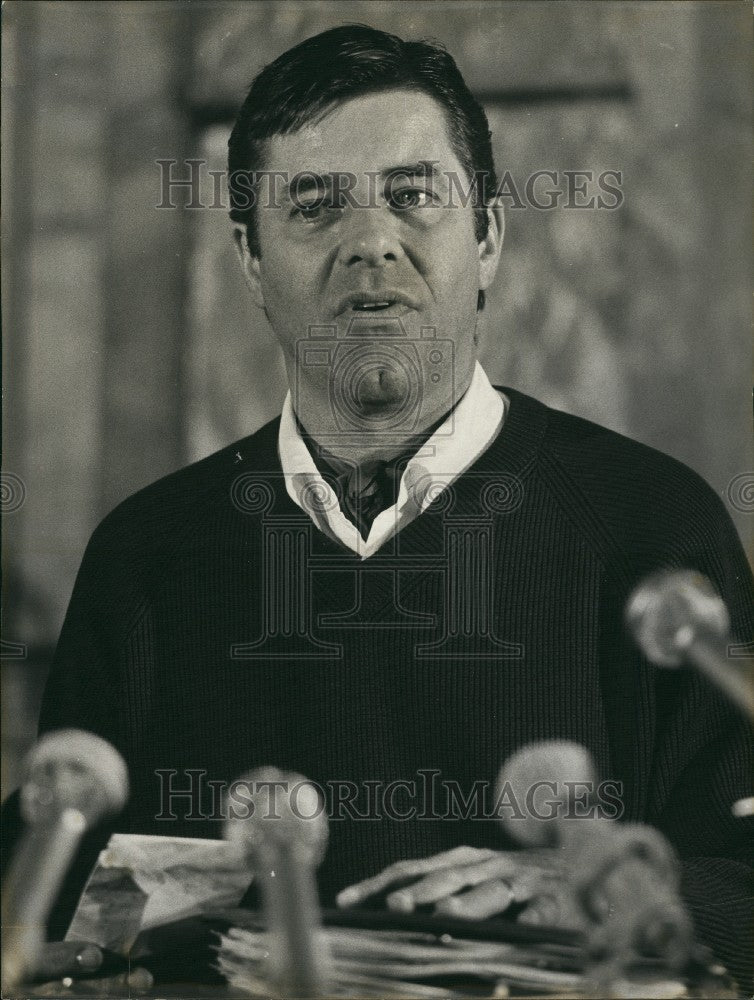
x=631 y=490
x=593 y=450
x=194 y=496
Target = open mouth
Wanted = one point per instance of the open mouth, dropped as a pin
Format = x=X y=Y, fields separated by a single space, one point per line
x=373 y=306
x=375 y=301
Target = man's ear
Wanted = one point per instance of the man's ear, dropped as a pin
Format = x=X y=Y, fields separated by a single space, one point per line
x=249 y=264
x=491 y=246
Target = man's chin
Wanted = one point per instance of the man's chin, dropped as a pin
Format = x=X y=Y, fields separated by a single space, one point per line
x=381 y=392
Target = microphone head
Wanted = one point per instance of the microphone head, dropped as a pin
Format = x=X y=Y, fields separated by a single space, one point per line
x=540 y=782
x=669 y=610
x=73 y=769
x=280 y=810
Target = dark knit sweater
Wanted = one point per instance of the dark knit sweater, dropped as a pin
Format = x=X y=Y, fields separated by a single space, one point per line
x=561 y=517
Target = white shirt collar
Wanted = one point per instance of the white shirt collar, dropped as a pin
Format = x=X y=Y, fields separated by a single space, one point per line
x=467 y=433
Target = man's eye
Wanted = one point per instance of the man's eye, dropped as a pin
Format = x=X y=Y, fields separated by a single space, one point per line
x=315 y=211
x=411 y=198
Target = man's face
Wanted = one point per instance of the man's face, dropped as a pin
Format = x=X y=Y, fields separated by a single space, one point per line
x=405 y=251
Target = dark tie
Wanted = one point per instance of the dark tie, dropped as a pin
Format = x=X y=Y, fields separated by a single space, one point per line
x=365 y=491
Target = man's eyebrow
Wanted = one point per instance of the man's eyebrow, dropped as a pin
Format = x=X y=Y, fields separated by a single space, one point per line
x=422 y=168
x=307 y=181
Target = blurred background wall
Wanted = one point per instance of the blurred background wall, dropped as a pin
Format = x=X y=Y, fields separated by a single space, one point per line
x=131 y=347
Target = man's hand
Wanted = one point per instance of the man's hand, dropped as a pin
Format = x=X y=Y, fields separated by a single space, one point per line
x=81 y=960
x=474 y=883
x=58 y=959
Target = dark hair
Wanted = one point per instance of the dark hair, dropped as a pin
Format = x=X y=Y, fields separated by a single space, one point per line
x=306 y=81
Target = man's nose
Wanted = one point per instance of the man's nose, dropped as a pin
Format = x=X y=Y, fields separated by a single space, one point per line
x=368 y=236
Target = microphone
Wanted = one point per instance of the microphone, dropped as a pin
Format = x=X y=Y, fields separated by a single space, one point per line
x=548 y=766
x=622 y=879
x=284 y=840
x=71 y=781
x=678 y=617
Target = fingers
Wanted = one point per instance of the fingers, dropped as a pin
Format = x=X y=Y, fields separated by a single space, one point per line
x=407 y=870
x=542 y=911
x=554 y=908
x=522 y=883
x=69 y=962
x=473 y=883
x=67 y=958
x=128 y=984
x=446 y=882
x=478 y=903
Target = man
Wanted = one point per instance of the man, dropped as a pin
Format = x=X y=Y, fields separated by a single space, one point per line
x=411 y=574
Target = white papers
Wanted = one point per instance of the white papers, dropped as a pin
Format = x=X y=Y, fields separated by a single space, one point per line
x=141 y=882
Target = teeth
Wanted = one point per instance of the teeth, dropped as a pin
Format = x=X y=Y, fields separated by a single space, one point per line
x=367 y=306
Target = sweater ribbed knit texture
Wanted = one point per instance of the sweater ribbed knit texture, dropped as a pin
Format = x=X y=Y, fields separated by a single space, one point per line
x=492 y=620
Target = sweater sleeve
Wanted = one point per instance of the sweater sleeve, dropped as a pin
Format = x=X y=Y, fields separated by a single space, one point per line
x=703 y=764
x=82 y=689
x=82 y=692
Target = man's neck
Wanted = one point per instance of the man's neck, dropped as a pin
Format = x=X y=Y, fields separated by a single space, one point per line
x=367 y=445
x=363 y=458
